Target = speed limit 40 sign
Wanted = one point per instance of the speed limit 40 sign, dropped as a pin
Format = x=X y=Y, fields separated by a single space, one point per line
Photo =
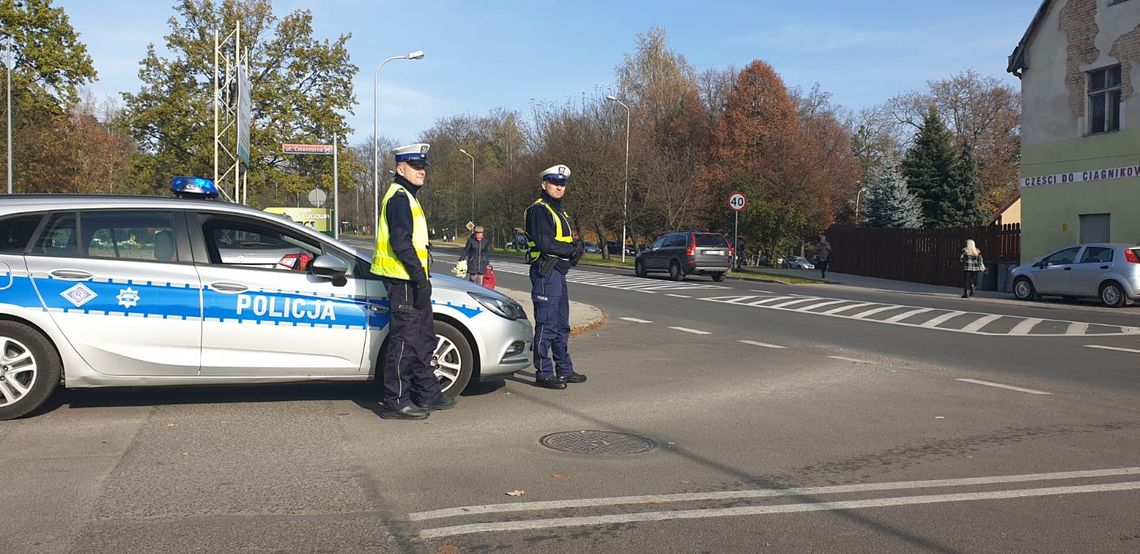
x=737 y=201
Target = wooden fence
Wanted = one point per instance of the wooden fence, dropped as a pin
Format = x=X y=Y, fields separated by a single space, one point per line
x=919 y=255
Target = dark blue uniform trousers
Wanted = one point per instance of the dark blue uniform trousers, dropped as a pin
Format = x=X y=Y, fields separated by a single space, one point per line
x=551 y=324
x=408 y=375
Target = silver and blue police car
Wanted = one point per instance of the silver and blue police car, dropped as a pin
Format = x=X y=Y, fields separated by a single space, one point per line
x=100 y=291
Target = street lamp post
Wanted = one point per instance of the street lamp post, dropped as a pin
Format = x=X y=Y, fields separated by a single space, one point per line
x=472 y=184
x=857 y=195
x=625 y=194
x=8 y=67
x=417 y=55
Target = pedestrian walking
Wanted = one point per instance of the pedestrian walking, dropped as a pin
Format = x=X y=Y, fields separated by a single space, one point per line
x=552 y=250
x=411 y=390
x=823 y=255
x=475 y=254
x=972 y=265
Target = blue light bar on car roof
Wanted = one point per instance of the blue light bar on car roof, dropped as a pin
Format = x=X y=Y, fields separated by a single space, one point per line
x=193 y=187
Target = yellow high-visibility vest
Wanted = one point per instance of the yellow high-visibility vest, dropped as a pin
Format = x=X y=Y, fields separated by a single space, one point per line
x=385 y=262
x=560 y=234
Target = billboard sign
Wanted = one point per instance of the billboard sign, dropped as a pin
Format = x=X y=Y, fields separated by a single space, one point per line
x=324 y=149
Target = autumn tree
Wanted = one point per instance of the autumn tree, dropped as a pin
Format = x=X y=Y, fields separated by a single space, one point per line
x=49 y=67
x=301 y=87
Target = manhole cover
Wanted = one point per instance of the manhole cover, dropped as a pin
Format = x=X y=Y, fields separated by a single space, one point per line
x=597 y=442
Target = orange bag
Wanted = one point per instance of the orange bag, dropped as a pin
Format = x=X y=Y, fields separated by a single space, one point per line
x=489 y=278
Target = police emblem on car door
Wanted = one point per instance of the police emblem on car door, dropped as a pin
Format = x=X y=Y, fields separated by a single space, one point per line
x=267 y=313
x=119 y=284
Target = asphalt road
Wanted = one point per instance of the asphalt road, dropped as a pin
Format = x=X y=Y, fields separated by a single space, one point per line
x=762 y=423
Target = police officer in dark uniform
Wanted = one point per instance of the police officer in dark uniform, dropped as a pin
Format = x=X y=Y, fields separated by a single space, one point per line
x=553 y=248
x=402 y=259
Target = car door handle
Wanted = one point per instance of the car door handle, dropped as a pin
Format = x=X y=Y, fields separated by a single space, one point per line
x=71 y=274
x=1104 y=267
x=228 y=288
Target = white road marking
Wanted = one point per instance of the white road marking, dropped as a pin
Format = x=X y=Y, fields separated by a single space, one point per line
x=1077 y=328
x=766 y=493
x=1025 y=326
x=678 y=295
x=944 y=317
x=846 y=359
x=549 y=523
x=905 y=315
x=693 y=331
x=764 y=344
x=848 y=307
x=979 y=323
x=868 y=313
x=767 y=300
x=820 y=305
x=762 y=291
x=1001 y=386
x=1116 y=348
x=796 y=301
x=636 y=320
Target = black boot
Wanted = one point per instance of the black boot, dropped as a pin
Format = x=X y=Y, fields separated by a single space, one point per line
x=411 y=411
x=551 y=383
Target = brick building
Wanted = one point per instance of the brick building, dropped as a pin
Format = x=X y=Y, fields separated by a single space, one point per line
x=1079 y=62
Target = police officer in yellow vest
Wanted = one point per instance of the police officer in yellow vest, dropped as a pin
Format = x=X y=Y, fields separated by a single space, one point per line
x=411 y=389
x=553 y=248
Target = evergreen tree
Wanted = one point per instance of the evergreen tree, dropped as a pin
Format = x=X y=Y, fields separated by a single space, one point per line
x=929 y=167
x=889 y=201
x=962 y=202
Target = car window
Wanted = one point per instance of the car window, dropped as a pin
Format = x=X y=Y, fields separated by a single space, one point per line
x=707 y=240
x=239 y=242
x=16 y=232
x=677 y=240
x=59 y=237
x=129 y=235
x=659 y=242
x=1062 y=257
x=1096 y=254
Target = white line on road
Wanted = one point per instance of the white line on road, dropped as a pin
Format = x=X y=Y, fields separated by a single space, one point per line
x=1025 y=326
x=636 y=320
x=1001 y=386
x=678 y=296
x=937 y=320
x=848 y=307
x=549 y=523
x=1077 y=328
x=1116 y=348
x=693 y=331
x=796 y=301
x=980 y=322
x=764 y=344
x=869 y=313
x=906 y=314
x=846 y=359
x=767 y=300
x=762 y=291
x=819 y=305
x=766 y=493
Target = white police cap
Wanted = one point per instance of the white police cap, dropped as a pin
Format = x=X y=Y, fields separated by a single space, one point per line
x=556 y=174
x=412 y=152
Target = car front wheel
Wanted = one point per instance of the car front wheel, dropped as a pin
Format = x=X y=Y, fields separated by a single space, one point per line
x=29 y=369
x=1112 y=294
x=1023 y=289
x=453 y=361
x=639 y=268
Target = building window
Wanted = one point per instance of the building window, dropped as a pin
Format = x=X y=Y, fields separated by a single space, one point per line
x=1104 y=100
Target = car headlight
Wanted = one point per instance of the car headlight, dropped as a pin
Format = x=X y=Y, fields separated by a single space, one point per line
x=500 y=305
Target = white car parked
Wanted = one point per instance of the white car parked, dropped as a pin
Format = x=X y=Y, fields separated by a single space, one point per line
x=1109 y=272
x=100 y=291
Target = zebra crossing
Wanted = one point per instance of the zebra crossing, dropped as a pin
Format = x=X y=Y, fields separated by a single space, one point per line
x=939 y=319
x=623 y=282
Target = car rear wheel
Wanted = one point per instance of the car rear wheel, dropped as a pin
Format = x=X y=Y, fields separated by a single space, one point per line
x=1023 y=289
x=1112 y=294
x=453 y=361
x=675 y=272
x=29 y=369
x=639 y=268
x=718 y=277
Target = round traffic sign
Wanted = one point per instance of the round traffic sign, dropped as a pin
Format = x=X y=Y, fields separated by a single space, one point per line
x=737 y=201
x=317 y=197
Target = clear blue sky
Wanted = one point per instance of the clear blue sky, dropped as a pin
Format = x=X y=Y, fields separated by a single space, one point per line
x=486 y=54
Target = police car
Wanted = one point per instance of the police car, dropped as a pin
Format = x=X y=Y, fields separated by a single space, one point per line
x=100 y=291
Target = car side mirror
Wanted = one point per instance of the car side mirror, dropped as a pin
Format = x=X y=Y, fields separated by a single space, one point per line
x=330 y=267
